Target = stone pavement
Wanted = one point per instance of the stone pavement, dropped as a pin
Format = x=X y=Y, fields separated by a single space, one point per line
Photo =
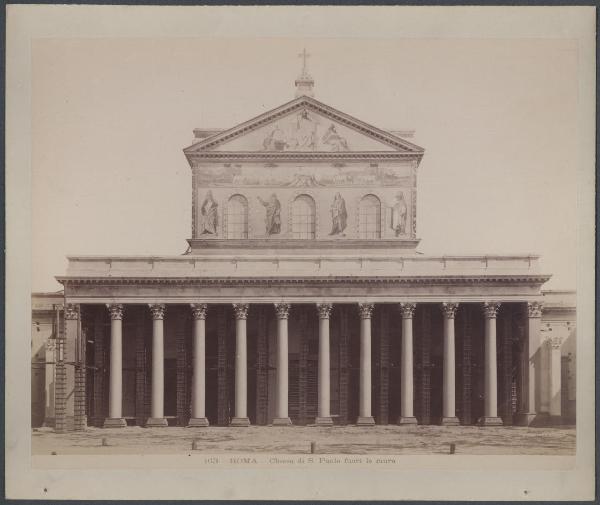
x=297 y=440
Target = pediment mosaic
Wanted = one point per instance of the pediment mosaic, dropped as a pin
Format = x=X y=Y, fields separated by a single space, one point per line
x=304 y=131
x=304 y=125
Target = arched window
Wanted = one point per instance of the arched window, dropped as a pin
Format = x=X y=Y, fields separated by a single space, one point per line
x=303 y=217
x=369 y=217
x=237 y=217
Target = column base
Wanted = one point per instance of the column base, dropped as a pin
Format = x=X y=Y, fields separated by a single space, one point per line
x=406 y=420
x=365 y=421
x=114 y=422
x=49 y=422
x=489 y=421
x=525 y=418
x=449 y=421
x=239 y=421
x=324 y=421
x=198 y=422
x=282 y=421
x=81 y=423
x=66 y=424
x=157 y=422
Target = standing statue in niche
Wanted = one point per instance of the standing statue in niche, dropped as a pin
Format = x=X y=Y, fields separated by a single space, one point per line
x=272 y=218
x=338 y=215
x=399 y=212
x=208 y=215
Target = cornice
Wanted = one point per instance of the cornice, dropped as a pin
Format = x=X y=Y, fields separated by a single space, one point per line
x=305 y=156
x=291 y=280
x=274 y=243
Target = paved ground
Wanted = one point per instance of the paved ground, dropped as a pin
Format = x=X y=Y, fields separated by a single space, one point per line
x=296 y=440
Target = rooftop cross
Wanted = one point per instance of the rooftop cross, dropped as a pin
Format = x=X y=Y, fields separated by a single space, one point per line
x=304 y=82
x=304 y=55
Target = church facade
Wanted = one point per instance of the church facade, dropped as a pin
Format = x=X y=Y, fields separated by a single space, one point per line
x=302 y=299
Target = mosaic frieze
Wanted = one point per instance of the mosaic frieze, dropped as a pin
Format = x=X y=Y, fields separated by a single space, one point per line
x=298 y=175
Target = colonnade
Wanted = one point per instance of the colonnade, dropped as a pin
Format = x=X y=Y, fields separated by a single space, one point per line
x=324 y=418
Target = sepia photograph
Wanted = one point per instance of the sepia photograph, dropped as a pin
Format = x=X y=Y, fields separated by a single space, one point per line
x=298 y=249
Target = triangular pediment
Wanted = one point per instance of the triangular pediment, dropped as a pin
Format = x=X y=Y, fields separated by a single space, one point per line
x=304 y=125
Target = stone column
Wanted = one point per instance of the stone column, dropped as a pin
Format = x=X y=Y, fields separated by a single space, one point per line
x=449 y=381
x=282 y=419
x=407 y=415
x=241 y=367
x=198 y=418
x=531 y=352
x=324 y=413
x=490 y=415
x=364 y=401
x=555 y=377
x=115 y=392
x=157 y=418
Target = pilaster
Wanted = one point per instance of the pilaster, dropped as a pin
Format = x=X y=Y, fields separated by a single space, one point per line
x=65 y=370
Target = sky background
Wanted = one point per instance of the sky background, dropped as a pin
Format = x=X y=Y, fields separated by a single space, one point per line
x=497 y=119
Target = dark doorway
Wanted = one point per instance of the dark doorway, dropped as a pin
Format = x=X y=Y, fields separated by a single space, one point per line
x=170 y=388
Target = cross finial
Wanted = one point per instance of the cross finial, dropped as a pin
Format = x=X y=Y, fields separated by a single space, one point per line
x=304 y=82
x=304 y=55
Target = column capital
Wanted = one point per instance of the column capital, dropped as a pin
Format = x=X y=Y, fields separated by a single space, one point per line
x=407 y=310
x=534 y=309
x=449 y=309
x=115 y=310
x=158 y=311
x=71 y=311
x=199 y=310
x=365 y=310
x=324 y=310
x=490 y=309
x=555 y=342
x=241 y=310
x=282 y=310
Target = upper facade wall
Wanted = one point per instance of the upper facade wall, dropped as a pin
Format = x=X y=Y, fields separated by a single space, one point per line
x=349 y=200
x=304 y=171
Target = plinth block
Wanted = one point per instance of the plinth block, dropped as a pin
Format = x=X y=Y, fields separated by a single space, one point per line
x=239 y=422
x=365 y=421
x=157 y=422
x=489 y=421
x=525 y=418
x=324 y=421
x=282 y=421
x=114 y=422
x=406 y=421
x=450 y=421
x=198 y=422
